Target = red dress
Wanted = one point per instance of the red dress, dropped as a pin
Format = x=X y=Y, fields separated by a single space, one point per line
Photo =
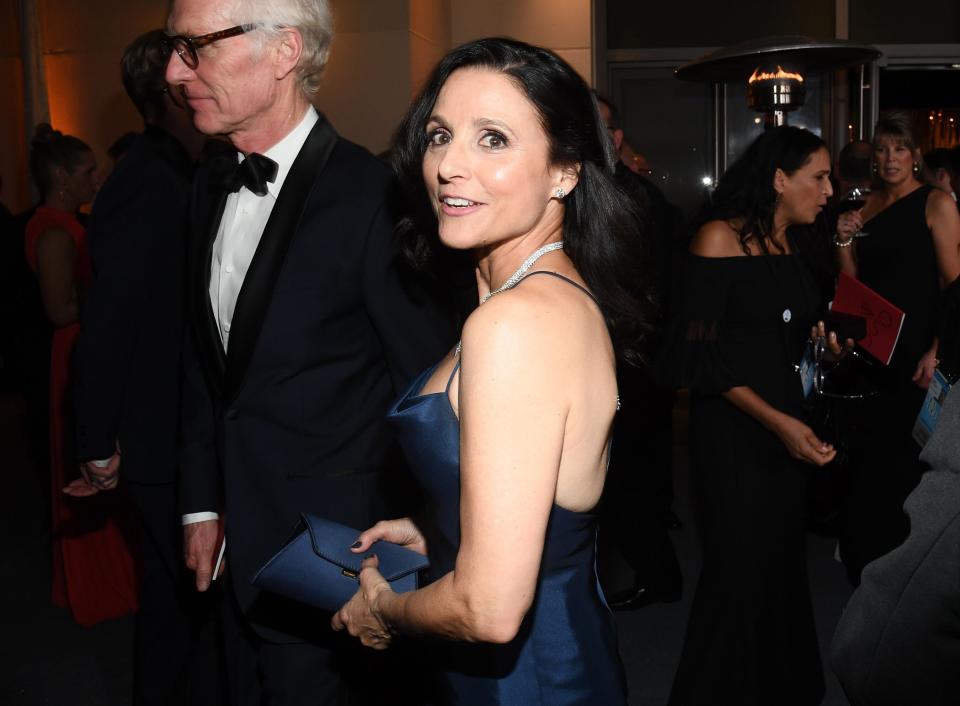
x=95 y=573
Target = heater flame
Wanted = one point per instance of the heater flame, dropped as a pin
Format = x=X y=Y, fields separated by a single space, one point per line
x=779 y=75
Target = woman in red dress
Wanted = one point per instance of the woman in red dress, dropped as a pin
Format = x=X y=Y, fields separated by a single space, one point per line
x=94 y=571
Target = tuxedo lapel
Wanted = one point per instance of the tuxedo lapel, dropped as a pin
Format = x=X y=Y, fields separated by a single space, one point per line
x=210 y=346
x=258 y=284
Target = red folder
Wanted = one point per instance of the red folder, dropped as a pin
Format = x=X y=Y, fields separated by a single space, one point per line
x=884 y=320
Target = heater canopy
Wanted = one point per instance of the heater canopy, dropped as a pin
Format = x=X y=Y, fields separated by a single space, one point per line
x=798 y=54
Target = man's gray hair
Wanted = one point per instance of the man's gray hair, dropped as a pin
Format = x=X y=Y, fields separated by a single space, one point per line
x=311 y=18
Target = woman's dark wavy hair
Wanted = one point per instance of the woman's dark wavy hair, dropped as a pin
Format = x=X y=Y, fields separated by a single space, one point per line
x=50 y=149
x=745 y=192
x=601 y=223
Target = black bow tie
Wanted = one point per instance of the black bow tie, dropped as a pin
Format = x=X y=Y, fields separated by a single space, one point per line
x=253 y=172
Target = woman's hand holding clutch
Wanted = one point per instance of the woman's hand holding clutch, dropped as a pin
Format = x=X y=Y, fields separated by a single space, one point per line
x=361 y=616
x=401 y=531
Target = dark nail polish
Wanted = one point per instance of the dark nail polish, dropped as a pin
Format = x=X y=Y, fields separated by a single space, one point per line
x=356 y=545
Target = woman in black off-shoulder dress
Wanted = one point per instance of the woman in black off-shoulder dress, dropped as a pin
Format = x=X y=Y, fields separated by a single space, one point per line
x=750 y=298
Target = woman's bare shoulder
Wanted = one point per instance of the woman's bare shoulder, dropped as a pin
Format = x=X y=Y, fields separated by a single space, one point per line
x=528 y=317
x=716 y=239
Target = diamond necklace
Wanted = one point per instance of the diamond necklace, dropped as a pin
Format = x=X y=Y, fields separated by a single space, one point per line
x=515 y=278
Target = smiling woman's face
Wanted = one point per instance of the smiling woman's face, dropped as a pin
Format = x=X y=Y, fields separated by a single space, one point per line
x=486 y=166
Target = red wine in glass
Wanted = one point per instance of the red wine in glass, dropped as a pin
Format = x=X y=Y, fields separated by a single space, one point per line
x=855 y=199
x=852 y=204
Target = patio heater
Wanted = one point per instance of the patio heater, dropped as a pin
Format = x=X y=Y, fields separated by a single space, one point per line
x=776 y=71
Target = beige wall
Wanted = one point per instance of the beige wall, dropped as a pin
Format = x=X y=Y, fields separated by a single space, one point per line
x=83 y=41
x=382 y=52
x=13 y=152
x=385 y=49
x=430 y=37
x=560 y=25
x=366 y=87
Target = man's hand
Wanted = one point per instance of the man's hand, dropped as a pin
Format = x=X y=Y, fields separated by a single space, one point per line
x=95 y=476
x=201 y=543
x=80 y=488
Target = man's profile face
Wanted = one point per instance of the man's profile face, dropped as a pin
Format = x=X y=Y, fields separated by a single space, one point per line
x=616 y=134
x=233 y=84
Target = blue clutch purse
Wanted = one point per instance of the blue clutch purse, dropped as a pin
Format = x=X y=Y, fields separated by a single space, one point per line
x=316 y=566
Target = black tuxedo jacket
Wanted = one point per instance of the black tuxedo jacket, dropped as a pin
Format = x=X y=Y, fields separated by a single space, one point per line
x=127 y=365
x=326 y=332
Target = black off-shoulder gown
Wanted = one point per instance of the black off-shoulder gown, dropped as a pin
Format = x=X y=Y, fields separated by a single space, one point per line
x=751 y=637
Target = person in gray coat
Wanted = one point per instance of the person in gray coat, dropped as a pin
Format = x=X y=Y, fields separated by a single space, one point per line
x=898 y=641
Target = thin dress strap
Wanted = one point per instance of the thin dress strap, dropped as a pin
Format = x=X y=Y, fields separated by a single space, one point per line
x=589 y=294
x=565 y=279
x=453 y=372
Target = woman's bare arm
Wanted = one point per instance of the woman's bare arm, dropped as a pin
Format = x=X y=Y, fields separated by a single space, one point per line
x=944 y=221
x=512 y=416
x=56 y=263
x=799 y=439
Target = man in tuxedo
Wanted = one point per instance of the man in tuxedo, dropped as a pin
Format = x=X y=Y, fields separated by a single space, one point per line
x=128 y=369
x=305 y=328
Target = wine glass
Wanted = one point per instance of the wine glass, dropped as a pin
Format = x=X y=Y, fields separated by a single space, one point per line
x=855 y=199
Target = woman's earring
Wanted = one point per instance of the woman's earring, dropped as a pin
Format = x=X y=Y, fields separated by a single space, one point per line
x=916 y=167
x=560 y=193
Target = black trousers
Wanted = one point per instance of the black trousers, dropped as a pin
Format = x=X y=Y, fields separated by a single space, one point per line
x=177 y=655
x=638 y=493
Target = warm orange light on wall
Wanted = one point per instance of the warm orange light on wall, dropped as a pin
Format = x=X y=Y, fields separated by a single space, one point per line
x=64 y=94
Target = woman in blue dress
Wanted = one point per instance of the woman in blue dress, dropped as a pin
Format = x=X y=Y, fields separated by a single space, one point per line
x=509 y=434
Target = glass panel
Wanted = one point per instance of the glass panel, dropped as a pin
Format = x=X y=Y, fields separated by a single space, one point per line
x=896 y=22
x=931 y=96
x=707 y=23
x=669 y=122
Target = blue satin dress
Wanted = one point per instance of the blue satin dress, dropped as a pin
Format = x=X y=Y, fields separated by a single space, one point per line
x=566 y=650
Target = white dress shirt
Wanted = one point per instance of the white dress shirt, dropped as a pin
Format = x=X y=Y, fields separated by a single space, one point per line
x=245 y=215
x=244 y=218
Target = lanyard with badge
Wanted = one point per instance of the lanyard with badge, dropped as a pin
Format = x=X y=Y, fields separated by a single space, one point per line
x=929 y=415
x=809 y=368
